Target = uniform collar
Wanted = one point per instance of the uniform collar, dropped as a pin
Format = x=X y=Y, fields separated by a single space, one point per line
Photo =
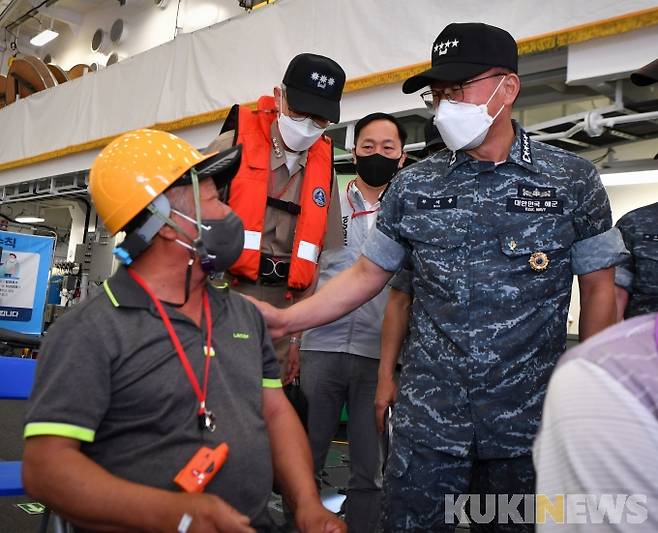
x=521 y=152
x=123 y=291
x=278 y=153
x=456 y=158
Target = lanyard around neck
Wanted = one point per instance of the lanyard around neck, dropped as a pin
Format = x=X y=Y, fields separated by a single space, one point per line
x=355 y=213
x=201 y=394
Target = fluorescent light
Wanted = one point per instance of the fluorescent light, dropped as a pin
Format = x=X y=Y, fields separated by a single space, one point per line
x=29 y=219
x=636 y=177
x=44 y=37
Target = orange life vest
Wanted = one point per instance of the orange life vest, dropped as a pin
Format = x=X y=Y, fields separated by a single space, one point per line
x=248 y=196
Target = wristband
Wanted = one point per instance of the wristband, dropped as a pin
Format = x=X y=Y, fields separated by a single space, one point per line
x=295 y=340
x=184 y=523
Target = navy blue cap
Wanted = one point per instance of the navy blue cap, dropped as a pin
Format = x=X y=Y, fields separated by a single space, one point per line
x=462 y=51
x=314 y=85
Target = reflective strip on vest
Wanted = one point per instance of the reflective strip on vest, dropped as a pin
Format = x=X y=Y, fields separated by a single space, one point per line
x=308 y=251
x=252 y=240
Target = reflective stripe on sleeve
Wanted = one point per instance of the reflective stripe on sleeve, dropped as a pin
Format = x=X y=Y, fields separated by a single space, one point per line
x=269 y=383
x=35 y=429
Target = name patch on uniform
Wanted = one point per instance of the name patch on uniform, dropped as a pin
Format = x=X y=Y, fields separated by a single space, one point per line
x=652 y=237
x=534 y=192
x=522 y=205
x=445 y=202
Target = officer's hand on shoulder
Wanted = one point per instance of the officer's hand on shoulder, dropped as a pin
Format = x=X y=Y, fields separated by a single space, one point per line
x=274 y=317
x=207 y=513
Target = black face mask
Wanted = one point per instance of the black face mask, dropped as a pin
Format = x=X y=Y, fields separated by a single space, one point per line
x=221 y=242
x=224 y=242
x=376 y=170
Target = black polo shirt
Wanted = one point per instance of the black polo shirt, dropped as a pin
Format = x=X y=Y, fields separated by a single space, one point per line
x=109 y=376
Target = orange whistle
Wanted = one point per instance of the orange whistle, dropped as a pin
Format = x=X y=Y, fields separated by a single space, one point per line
x=203 y=466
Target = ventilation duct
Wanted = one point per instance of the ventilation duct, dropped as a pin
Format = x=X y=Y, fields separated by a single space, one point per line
x=113 y=59
x=118 y=31
x=99 y=42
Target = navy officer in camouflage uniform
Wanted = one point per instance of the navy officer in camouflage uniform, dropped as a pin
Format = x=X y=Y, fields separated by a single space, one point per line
x=495 y=226
x=637 y=277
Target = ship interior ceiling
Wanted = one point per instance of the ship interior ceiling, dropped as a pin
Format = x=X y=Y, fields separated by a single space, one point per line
x=25 y=18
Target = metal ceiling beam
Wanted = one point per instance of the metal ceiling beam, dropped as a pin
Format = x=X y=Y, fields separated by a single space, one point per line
x=30 y=13
x=72 y=19
x=6 y=7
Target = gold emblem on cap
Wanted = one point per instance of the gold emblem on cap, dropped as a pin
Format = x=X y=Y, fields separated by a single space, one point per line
x=512 y=245
x=539 y=261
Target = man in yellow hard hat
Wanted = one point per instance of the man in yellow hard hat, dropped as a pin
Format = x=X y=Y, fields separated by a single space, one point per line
x=157 y=404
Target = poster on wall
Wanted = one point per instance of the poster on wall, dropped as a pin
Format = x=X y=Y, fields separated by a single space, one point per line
x=24 y=265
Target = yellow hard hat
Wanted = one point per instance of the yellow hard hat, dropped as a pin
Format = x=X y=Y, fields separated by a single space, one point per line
x=138 y=166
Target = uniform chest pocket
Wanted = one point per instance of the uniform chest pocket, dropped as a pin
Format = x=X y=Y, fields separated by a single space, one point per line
x=535 y=261
x=444 y=228
x=437 y=241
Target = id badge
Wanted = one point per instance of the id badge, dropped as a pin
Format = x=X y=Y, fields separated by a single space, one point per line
x=203 y=466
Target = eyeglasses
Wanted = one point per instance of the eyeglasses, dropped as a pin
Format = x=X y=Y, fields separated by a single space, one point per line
x=453 y=94
x=317 y=122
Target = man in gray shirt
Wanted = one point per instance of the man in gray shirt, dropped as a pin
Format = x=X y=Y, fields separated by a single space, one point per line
x=134 y=384
x=339 y=361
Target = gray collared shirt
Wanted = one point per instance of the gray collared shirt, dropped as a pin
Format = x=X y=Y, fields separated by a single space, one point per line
x=358 y=332
x=487 y=328
x=109 y=376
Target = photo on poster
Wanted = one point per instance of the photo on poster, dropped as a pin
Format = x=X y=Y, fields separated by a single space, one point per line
x=25 y=262
x=18 y=275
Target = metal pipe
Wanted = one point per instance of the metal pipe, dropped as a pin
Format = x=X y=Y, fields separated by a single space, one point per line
x=29 y=14
x=560 y=134
x=627 y=119
x=87 y=217
x=7 y=9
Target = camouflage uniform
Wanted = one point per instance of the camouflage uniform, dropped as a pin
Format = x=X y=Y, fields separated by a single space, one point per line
x=486 y=328
x=638 y=274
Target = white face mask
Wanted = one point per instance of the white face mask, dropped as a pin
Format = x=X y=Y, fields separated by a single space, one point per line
x=298 y=135
x=464 y=126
